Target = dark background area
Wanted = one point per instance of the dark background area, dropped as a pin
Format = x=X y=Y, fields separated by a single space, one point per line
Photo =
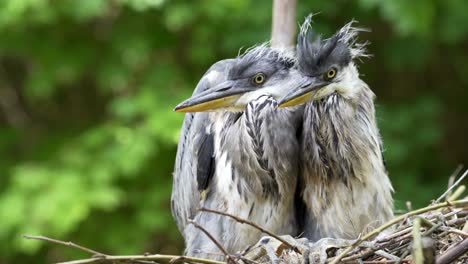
x=87 y=132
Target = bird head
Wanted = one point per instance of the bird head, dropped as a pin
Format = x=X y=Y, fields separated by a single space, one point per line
x=260 y=71
x=327 y=65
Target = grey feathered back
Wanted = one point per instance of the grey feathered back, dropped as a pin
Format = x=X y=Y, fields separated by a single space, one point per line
x=193 y=159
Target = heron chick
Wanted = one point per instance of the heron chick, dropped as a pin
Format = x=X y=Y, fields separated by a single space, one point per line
x=346 y=187
x=245 y=152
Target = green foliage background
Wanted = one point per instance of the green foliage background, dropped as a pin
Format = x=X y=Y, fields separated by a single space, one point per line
x=88 y=135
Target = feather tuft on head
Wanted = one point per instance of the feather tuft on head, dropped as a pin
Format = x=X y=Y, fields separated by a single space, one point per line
x=341 y=48
x=348 y=35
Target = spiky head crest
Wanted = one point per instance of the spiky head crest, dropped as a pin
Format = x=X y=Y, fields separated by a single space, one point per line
x=313 y=53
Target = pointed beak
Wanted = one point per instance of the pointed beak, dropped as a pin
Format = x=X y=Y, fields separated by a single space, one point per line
x=220 y=96
x=303 y=93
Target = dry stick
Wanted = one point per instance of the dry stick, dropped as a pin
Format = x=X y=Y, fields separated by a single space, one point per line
x=451 y=187
x=226 y=254
x=458 y=192
x=370 y=251
x=407 y=229
x=102 y=257
x=387 y=255
x=392 y=239
x=454 y=175
x=395 y=238
x=432 y=229
x=417 y=243
x=384 y=261
x=396 y=220
x=403 y=234
x=248 y=261
x=452 y=254
x=394 y=235
x=68 y=244
x=155 y=257
x=454 y=231
x=244 y=221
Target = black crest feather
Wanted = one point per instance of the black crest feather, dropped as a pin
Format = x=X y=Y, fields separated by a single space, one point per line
x=316 y=54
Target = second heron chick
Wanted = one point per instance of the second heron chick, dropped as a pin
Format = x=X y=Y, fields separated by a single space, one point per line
x=346 y=187
x=254 y=152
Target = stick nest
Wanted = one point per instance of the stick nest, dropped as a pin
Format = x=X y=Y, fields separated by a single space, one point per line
x=437 y=234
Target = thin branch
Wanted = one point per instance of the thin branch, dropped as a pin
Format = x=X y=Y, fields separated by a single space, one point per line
x=244 y=221
x=216 y=242
x=451 y=187
x=68 y=244
x=155 y=257
x=395 y=221
x=99 y=257
x=454 y=175
x=454 y=231
x=417 y=243
x=458 y=192
x=248 y=261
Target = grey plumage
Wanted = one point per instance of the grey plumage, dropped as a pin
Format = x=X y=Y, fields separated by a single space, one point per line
x=346 y=187
x=255 y=156
x=194 y=159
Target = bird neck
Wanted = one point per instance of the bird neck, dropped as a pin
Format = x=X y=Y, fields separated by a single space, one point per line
x=251 y=145
x=342 y=133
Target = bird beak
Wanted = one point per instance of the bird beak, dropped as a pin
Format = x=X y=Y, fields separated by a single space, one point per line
x=220 y=96
x=303 y=93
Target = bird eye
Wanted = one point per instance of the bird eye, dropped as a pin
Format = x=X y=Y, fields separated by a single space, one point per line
x=331 y=73
x=259 y=78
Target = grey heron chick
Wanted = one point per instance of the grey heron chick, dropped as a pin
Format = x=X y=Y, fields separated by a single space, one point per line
x=346 y=187
x=247 y=164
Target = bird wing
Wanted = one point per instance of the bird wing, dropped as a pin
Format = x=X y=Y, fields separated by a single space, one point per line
x=195 y=166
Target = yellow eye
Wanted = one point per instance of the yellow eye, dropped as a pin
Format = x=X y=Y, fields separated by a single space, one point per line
x=331 y=73
x=259 y=78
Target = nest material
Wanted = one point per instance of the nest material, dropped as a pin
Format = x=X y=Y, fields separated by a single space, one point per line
x=438 y=234
x=434 y=234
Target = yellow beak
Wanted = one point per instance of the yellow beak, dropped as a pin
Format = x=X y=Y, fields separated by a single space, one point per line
x=297 y=100
x=208 y=105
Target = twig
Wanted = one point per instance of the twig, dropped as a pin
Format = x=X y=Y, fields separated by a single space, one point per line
x=454 y=175
x=394 y=221
x=432 y=229
x=68 y=244
x=385 y=261
x=454 y=231
x=451 y=187
x=394 y=235
x=216 y=242
x=244 y=221
x=417 y=243
x=452 y=254
x=387 y=255
x=155 y=257
x=99 y=257
x=458 y=192
x=248 y=261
